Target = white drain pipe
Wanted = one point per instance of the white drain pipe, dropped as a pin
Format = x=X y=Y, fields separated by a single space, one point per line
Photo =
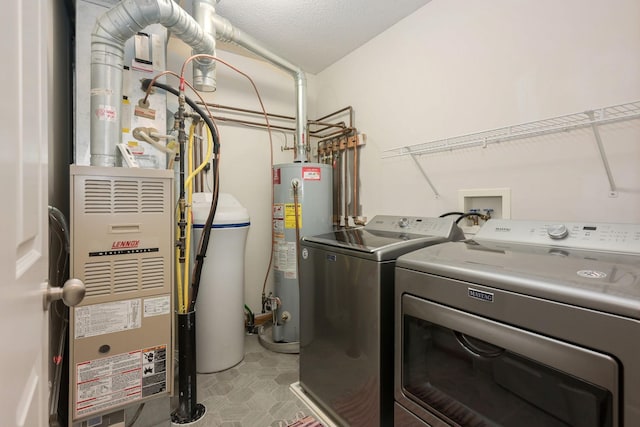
x=226 y=32
x=112 y=30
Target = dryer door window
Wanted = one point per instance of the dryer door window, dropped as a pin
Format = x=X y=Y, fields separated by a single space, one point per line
x=456 y=366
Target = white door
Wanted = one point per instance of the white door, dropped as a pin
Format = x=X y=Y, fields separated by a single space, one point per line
x=23 y=213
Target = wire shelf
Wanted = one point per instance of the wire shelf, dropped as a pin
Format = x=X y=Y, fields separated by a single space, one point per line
x=565 y=123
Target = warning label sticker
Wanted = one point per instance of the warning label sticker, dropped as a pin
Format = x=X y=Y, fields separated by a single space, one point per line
x=106 y=113
x=284 y=259
x=278 y=211
x=154 y=370
x=99 y=319
x=278 y=227
x=311 y=173
x=157 y=306
x=116 y=380
x=290 y=215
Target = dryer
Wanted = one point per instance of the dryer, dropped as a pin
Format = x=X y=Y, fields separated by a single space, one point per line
x=529 y=324
x=346 y=301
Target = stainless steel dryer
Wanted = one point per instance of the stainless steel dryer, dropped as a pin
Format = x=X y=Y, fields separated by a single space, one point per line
x=528 y=324
x=346 y=301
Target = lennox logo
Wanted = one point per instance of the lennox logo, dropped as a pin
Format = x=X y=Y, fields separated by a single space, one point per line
x=125 y=244
x=503 y=229
x=481 y=295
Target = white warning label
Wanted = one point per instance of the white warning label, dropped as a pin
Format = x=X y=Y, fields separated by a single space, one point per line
x=284 y=259
x=278 y=226
x=117 y=380
x=99 y=319
x=278 y=211
x=154 y=370
x=109 y=382
x=311 y=173
x=106 y=113
x=157 y=306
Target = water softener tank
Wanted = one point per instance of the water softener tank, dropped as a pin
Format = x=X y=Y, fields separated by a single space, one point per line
x=311 y=184
x=220 y=319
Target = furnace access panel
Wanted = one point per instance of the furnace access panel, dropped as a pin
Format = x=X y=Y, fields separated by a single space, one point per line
x=122 y=249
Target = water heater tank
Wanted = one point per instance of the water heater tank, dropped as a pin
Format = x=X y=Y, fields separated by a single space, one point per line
x=313 y=184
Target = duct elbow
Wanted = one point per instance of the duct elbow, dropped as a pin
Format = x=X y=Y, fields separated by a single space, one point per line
x=111 y=31
x=128 y=17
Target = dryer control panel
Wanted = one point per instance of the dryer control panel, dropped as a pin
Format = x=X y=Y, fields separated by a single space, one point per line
x=411 y=224
x=604 y=237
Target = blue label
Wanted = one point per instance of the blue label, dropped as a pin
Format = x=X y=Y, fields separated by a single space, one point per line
x=331 y=257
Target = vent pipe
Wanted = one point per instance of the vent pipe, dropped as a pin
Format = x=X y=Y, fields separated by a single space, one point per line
x=112 y=30
x=226 y=32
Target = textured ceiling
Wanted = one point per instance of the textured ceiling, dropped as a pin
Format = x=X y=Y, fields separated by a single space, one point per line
x=314 y=34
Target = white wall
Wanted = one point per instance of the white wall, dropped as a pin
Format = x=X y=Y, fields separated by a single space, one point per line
x=456 y=67
x=245 y=168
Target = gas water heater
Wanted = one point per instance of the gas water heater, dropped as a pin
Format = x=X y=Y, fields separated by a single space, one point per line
x=302 y=207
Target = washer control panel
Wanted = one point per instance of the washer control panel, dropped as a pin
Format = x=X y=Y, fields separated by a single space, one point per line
x=411 y=224
x=557 y=231
x=605 y=237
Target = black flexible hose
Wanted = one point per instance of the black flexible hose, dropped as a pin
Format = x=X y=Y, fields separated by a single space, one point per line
x=192 y=104
x=451 y=213
x=468 y=214
x=202 y=250
x=206 y=234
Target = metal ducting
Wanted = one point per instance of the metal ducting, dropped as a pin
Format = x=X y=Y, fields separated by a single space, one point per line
x=226 y=32
x=112 y=30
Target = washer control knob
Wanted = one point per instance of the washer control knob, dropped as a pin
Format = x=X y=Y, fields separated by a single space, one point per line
x=558 y=231
x=404 y=222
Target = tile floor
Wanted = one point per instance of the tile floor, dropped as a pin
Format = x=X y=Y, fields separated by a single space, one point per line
x=254 y=393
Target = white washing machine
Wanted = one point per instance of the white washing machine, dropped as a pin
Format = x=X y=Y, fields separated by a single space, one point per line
x=528 y=324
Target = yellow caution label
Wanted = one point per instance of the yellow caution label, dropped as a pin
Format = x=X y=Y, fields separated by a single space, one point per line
x=290 y=215
x=125 y=114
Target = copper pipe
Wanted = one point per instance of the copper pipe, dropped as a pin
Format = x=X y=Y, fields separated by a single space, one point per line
x=334 y=135
x=246 y=122
x=338 y=168
x=283 y=128
x=355 y=178
x=320 y=159
x=259 y=124
x=244 y=110
x=350 y=108
x=317 y=122
x=326 y=125
x=346 y=186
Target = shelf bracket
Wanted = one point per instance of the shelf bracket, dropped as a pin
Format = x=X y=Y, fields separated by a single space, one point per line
x=613 y=192
x=424 y=174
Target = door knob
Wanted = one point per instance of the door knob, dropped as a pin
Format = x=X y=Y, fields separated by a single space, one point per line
x=72 y=293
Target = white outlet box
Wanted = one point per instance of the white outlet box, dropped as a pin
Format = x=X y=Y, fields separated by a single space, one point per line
x=498 y=199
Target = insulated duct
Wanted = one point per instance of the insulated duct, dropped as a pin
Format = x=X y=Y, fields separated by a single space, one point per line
x=226 y=32
x=112 y=30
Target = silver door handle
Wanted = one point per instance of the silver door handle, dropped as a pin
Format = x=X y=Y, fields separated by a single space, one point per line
x=72 y=293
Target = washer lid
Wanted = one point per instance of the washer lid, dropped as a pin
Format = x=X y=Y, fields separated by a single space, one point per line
x=383 y=245
x=602 y=281
x=386 y=237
